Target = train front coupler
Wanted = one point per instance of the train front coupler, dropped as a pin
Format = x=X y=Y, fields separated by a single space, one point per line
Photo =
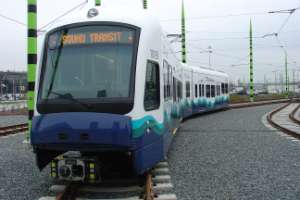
x=74 y=167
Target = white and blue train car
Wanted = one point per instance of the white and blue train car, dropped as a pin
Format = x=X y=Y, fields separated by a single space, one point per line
x=110 y=88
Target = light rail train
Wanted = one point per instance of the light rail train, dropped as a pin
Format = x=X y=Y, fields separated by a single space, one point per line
x=112 y=92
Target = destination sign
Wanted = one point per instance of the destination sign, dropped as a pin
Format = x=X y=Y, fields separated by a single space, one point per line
x=95 y=37
x=98 y=37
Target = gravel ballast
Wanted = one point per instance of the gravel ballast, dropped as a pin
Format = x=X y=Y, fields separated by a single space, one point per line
x=20 y=179
x=226 y=155
x=232 y=155
x=12 y=120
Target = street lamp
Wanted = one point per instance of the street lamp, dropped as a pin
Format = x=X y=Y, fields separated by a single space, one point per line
x=209 y=51
x=209 y=55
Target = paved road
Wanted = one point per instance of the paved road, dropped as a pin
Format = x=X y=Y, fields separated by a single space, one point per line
x=232 y=155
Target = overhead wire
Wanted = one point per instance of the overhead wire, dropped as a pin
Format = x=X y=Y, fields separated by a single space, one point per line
x=51 y=22
x=218 y=16
x=284 y=23
x=63 y=15
x=12 y=20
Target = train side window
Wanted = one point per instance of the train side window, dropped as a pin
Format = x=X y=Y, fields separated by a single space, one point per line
x=174 y=89
x=208 y=91
x=213 y=90
x=218 y=90
x=188 y=89
x=170 y=75
x=152 y=87
x=165 y=76
x=179 y=90
x=200 y=90
x=196 y=90
x=226 y=88
x=223 y=88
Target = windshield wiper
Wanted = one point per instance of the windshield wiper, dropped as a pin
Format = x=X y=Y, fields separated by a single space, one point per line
x=69 y=96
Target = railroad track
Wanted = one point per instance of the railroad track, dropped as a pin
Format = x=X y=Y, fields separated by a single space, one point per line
x=13 y=129
x=284 y=119
x=293 y=117
x=156 y=185
x=24 y=127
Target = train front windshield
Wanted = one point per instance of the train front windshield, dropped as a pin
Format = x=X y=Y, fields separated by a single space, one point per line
x=88 y=63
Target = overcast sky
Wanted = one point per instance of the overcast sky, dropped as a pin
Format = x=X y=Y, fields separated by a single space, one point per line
x=220 y=24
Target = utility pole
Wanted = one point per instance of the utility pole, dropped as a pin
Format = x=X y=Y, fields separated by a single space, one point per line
x=13 y=89
x=251 y=66
x=183 y=34
x=265 y=83
x=145 y=4
x=1 y=89
x=275 y=72
x=32 y=60
x=286 y=76
x=97 y=2
x=282 y=82
x=294 y=81
x=209 y=55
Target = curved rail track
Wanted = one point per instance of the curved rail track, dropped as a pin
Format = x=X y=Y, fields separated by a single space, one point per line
x=13 y=129
x=24 y=127
x=293 y=117
x=284 y=119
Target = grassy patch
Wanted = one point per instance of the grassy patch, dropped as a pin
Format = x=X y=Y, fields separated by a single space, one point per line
x=235 y=98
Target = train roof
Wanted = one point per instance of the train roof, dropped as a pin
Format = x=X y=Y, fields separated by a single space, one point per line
x=207 y=71
x=133 y=15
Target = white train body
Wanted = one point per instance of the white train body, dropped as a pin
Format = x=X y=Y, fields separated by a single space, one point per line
x=162 y=90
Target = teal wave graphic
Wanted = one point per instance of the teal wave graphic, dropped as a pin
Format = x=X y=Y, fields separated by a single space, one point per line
x=140 y=126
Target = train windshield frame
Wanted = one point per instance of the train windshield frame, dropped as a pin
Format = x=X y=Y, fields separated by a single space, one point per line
x=89 y=67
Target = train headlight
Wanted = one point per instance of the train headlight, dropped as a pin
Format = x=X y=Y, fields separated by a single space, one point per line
x=92 y=13
x=53 y=166
x=92 y=172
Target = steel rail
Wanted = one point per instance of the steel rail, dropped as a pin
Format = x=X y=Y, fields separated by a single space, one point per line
x=70 y=190
x=279 y=127
x=24 y=127
x=292 y=115
x=148 y=193
x=13 y=129
x=69 y=193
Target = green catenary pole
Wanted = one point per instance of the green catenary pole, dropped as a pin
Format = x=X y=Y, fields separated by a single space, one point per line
x=183 y=34
x=32 y=60
x=98 y=2
x=286 y=76
x=145 y=3
x=251 y=65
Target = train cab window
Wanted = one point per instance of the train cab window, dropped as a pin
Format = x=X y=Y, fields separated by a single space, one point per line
x=152 y=87
x=213 y=90
x=208 y=91
x=196 y=91
x=188 y=89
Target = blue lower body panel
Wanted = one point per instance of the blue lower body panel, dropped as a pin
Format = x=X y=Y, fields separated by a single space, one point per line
x=96 y=134
x=148 y=156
